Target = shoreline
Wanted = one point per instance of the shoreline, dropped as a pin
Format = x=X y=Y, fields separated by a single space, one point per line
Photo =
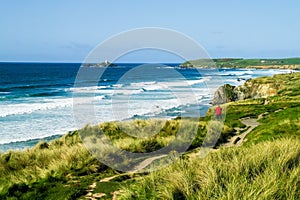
x=296 y=68
x=257 y=63
x=66 y=167
x=30 y=143
x=27 y=144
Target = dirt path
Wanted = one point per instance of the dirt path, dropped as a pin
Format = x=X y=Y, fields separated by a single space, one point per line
x=146 y=162
x=239 y=139
x=234 y=141
x=138 y=168
x=252 y=124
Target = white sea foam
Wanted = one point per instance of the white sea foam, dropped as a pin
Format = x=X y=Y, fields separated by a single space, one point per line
x=283 y=71
x=117 y=85
x=124 y=91
x=236 y=73
x=106 y=91
x=91 y=89
x=195 y=82
x=148 y=98
x=165 y=67
x=128 y=109
x=154 y=87
x=124 y=108
x=142 y=84
x=98 y=98
x=151 y=86
x=250 y=72
x=27 y=108
x=36 y=131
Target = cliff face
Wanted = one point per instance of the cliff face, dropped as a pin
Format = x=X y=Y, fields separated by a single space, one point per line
x=224 y=94
x=250 y=89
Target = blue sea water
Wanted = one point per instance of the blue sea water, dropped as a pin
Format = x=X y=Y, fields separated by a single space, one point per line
x=37 y=99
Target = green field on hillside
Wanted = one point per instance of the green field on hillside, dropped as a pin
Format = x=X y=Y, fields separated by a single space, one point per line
x=243 y=63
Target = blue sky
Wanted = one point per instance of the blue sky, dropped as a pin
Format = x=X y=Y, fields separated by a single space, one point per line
x=67 y=30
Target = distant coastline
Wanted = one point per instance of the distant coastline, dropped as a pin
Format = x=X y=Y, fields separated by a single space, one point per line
x=57 y=95
x=256 y=63
x=284 y=63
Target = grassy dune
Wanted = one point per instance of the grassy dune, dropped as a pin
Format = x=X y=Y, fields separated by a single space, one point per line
x=265 y=167
x=268 y=170
x=48 y=171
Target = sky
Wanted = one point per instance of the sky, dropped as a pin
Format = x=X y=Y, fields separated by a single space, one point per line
x=68 y=30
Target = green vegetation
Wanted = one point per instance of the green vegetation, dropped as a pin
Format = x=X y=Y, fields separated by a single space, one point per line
x=285 y=63
x=279 y=114
x=62 y=169
x=266 y=167
x=268 y=170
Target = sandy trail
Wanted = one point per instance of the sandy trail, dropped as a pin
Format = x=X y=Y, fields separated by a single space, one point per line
x=138 y=168
x=249 y=122
x=146 y=162
x=239 y=139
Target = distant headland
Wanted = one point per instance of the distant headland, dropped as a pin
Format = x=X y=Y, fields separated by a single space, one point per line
x=284 y=63
x=106 y=63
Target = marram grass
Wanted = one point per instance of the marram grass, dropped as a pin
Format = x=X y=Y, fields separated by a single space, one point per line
x=269 y=170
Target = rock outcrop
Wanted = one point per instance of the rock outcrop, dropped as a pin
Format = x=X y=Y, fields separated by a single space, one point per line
x=250 y=89
x=224 y=94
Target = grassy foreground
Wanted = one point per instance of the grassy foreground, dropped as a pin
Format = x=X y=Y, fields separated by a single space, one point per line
x=269 y=170
x=266 y=167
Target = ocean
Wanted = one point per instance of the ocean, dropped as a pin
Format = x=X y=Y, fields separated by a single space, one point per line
x=37 y=99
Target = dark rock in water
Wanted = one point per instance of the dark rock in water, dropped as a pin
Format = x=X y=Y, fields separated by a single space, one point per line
x=105 y=64
x=241 y=79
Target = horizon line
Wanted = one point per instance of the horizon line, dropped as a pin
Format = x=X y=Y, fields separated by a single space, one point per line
x=139 y=62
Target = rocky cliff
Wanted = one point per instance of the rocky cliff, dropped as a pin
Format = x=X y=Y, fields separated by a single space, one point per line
x=256 y=88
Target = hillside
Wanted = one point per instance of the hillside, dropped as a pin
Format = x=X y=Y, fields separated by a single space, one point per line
x=266 y=165
x=262 y=168
x=285 y=63
x=274 y=101
x=269 y=170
